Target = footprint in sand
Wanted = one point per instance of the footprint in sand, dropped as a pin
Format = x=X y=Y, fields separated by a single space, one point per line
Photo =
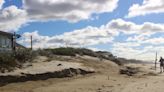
x=109 y=91
x=99 y=90
x=119 y=84
x=146 y=84
x=155 y=82
x=139 y=88
x=107 y=86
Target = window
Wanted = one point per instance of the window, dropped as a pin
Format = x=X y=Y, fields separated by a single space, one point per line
x=5 y=42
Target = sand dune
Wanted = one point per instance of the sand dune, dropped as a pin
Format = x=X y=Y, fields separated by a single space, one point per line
x=107 y=79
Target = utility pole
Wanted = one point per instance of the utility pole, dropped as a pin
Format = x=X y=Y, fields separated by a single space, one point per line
x=156 y=61
x=31 y=43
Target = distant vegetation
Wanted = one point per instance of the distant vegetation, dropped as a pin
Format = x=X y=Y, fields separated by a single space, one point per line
x=72 y=51
x=79 y=51
x=9 y=61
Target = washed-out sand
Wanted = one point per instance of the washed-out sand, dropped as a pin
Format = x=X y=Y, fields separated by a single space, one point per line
x=107 y=79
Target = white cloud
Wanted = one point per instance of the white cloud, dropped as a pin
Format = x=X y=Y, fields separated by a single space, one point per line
x=12 y=18
x=95 y=49
x=147 y=40
x=132 y=28
x=1 y=3
x=147 y=7
x=139 y=37
x=142 y=52
x=154 y=41
x=38 y=40
x=100 y=35
x=72 y=11
x=126 y=51
x=133 y=47
x=126 y=44
x=77 y=38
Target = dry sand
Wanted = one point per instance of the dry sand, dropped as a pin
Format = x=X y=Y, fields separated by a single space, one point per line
x=106 y=80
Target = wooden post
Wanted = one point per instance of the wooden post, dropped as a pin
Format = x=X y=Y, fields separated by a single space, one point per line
x=14 y=41
x=156 y=61
x=31 y=43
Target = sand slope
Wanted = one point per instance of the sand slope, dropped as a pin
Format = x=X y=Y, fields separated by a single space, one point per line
x=107 y=79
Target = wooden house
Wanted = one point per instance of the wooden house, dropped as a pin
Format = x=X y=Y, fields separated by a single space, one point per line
x=8 y=41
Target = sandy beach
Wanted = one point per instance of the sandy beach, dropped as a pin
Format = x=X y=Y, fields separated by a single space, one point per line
x=81 y=45
x=107 y=79
x=95 y=83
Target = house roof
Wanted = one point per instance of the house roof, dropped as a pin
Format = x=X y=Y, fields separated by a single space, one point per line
x=9 y=34
x=20 y=46
x=6 y=33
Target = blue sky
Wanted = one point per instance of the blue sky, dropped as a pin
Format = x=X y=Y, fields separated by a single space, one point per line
x=59 y=26
x=134 y=26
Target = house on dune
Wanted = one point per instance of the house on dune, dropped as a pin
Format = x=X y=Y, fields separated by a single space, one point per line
x=8 y=41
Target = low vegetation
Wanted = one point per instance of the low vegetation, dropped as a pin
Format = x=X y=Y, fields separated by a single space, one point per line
x=68 y=51
x=9 y=61
x=71 y=51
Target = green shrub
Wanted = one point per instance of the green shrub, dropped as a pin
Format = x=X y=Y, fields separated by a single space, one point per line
x=63 y=51
x=7 y=62
x=11 y=60
x=68 y=51
x=24 y=55
x=43 y=52
x=83 y=51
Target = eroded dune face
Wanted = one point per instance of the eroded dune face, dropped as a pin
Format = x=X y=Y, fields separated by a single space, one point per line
x=62 y=67
x=41 y=65
x=45 y=70
x=54 y=76
x=44 y=67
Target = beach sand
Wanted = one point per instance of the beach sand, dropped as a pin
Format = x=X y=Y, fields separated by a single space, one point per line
x=108 y=80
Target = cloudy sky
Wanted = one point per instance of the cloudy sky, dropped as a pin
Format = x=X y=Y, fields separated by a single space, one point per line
x=127 y=28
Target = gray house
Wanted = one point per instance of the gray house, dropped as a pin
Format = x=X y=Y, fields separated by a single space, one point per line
x=8 y=41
